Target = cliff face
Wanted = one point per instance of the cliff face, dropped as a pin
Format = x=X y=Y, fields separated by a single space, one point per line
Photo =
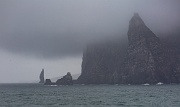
x=41 y=76
x=100 y=61
x=147 y=60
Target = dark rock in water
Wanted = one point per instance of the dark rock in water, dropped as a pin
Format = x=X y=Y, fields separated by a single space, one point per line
x=48 y=82
x=41 y=76
x=66 y=80
x=146 y=60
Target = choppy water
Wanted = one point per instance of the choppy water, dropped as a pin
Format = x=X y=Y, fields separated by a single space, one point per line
x=37 y=95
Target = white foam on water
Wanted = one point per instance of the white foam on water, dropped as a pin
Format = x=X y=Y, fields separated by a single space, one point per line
x=159 y=83
x=51 y=85
x=146 y=84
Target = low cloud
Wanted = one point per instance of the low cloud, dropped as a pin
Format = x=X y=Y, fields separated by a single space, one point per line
x=53 y=29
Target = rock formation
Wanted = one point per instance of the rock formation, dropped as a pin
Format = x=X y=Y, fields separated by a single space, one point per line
x=41 y=76
x=66 y=80
x=147 y=60
x=48 y=82
x=100 y=61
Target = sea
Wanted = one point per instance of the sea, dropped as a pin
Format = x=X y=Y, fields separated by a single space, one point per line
x=38 y=95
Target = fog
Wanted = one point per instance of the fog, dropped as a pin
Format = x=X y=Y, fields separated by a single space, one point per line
x=38 y=34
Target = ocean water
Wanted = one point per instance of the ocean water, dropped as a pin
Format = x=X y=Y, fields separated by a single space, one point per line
x=38 y=95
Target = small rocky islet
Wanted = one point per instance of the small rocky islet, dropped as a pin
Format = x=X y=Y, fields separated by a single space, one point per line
x=65 y=80
x=145 y=60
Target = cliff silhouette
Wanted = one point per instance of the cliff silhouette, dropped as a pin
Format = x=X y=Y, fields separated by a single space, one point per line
x=146 y=59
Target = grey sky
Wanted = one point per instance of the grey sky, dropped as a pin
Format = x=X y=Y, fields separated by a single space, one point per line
x=36 y=34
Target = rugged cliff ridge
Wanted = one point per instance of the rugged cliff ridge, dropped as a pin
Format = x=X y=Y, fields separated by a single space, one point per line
x=41 y=76
x=146 y=60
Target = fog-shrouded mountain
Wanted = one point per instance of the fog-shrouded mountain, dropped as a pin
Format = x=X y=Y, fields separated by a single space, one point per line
x=145 y=59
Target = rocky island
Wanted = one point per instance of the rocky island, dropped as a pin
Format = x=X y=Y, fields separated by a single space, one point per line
x=145 y=60
x=65 y=80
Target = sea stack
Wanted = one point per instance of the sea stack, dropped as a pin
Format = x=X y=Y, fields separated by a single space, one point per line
x=145 y=56
x=147 y=60
x=41 y=76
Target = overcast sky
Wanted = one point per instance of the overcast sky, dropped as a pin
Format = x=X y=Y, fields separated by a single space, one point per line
x=36 y=34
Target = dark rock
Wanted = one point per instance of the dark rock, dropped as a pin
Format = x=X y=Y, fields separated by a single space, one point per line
x=100 y=61
x=146 y=60
x=48 y=82
x=41 y=76
x=66 y=80
x=145 y=54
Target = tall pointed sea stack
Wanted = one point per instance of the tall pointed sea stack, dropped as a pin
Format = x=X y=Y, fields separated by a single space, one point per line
x=146 y=60
x=41 y=76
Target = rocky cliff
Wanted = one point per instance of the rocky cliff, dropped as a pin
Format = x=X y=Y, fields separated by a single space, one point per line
x=100 y=61
x=65 y=80
x=146 y=60
x=41 y=76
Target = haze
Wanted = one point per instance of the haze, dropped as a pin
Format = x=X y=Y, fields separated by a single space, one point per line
x=36 y=34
